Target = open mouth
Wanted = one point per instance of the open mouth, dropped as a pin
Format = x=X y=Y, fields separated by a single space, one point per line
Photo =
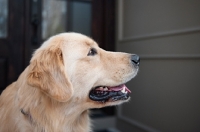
x=105 y=93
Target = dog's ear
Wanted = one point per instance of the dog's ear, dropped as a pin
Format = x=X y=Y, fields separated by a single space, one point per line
x=46 y=71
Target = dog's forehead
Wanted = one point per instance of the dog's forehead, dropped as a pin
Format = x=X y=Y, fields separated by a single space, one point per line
x=81 y=39
x=76 y=39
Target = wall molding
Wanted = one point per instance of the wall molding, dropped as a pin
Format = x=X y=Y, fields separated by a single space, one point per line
x=160 y=34
x=134 y=122
x=170 y=56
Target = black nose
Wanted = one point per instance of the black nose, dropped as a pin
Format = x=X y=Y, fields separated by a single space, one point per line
x=135 y=59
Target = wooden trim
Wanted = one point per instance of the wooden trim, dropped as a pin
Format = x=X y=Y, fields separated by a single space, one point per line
x=98 y=21
x=110 y=25
x=103 y=23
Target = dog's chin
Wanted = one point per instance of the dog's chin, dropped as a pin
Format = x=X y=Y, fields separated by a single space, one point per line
x=106 y=94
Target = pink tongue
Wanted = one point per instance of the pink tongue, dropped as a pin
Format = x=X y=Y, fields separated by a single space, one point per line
x=119 y=88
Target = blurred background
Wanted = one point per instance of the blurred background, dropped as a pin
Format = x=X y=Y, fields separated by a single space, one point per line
x=165 y=34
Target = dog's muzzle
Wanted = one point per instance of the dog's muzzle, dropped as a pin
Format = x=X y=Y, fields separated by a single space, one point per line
x=111 y=94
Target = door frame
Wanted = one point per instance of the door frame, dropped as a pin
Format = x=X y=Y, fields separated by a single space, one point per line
x=12 y=46
x=103 y=23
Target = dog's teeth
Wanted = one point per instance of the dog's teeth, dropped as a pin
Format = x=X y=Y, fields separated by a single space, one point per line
x=105 y=89
x=123 y=90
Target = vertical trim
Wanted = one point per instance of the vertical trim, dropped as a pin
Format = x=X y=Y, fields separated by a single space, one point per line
x=98 y=21
x=120 y=19
x=103 y=23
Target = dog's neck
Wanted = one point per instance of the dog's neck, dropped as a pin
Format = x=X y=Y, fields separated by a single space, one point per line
x=58 y=115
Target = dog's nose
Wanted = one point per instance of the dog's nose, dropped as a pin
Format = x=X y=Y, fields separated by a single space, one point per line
x=135 y=59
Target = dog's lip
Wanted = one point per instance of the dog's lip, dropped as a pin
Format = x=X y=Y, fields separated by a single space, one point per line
x=109 y=93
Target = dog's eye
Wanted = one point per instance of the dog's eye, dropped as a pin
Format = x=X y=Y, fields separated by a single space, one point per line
x=92 y=52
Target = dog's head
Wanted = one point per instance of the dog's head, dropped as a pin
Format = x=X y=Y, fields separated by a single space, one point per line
x=71 y=66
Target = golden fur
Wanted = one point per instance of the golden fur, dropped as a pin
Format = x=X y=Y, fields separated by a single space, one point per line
x=51 y=94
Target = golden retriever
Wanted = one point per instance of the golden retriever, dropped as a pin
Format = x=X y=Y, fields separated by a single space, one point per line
x=67 y=75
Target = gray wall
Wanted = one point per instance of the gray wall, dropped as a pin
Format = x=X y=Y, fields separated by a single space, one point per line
x=166 y=93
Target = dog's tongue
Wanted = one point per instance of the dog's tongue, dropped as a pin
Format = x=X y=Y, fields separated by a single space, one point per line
x=119 y=88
